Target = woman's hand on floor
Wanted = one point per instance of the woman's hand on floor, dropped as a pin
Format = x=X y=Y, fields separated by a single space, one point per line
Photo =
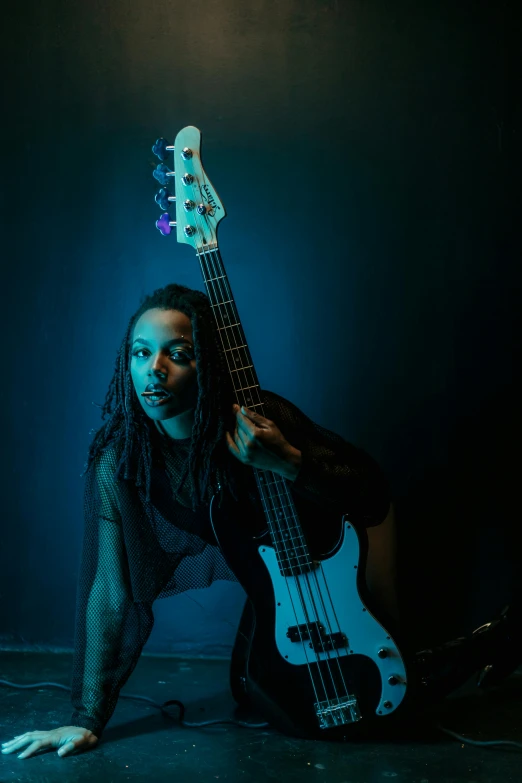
x=66 y=738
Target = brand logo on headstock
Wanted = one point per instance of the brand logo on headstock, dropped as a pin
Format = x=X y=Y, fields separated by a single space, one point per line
x=209 y=199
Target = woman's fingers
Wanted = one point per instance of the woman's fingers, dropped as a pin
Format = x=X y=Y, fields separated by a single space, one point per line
x=30 y=742
x=33 y=747
x=29 y=739
x=16 y=743
x=69 y=747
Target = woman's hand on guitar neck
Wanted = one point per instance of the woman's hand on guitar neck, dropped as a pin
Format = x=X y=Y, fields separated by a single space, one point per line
x=260 y=443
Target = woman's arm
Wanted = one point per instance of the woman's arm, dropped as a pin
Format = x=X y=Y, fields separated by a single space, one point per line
x=331 y=470
x=111 y=629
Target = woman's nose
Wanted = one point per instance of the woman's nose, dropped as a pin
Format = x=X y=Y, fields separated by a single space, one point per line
x=158 y=368
x=158 y=373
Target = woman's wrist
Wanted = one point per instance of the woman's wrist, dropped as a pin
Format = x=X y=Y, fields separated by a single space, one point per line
x=293 y=464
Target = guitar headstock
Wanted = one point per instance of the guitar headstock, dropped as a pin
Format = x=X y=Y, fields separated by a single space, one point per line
x=198 y=207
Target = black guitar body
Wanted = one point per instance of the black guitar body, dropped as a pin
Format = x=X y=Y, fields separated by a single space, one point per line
x=280 y=691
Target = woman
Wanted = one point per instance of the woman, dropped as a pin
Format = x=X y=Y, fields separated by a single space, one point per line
x=171 y=438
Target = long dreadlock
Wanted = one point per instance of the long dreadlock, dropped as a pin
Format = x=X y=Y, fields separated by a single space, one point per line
x=128 y=425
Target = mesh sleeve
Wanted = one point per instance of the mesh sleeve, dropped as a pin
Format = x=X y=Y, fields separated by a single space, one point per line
x=110 y=629
x=333 y=471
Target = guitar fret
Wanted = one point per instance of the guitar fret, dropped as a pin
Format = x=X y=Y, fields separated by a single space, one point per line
x=280 y=507
x=272 y=483
x=286 y=552
x=289 y=517
x=298 y=538
x=291 y=540
x=278 y=501
x=237 y=369
x=211 y=279
x=220 y=304
x=281 y=517
x=289 y=559
x=228 y=326
x=246 y=388
x=236 y=348
x=290 y=551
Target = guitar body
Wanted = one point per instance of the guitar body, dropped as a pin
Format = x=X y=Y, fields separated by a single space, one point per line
x=284 y=679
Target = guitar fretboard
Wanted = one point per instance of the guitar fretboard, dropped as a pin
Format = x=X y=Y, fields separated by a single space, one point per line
x=285 y=530
x=230 y=331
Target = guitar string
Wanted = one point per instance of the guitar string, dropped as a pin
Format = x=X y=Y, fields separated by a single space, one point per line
x=314 y=576
x=278 y=511
x=334 y=653
x=229 y=301
x=227 y=298
x=278 y=482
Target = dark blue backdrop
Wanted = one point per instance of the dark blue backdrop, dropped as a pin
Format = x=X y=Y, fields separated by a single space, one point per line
x=368 y=155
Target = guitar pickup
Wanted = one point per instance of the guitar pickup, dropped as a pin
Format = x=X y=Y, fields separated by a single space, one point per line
x=334 y=641
x=304 y=632
x=317 y=639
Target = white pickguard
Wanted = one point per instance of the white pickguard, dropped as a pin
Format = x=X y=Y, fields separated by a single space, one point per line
x=329 y=595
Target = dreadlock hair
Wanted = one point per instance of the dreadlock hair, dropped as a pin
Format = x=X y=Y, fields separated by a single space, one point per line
x=128 y=424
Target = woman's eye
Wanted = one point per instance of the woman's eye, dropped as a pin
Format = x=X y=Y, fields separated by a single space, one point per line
x=180 y=356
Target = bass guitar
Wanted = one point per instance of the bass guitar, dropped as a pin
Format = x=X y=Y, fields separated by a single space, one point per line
x=319 y=664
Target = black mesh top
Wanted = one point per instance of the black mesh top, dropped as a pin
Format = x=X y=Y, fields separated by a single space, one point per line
x=130 y=559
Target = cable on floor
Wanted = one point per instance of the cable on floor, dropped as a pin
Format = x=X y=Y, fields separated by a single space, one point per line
x=245 y=724
x=233 y=721
x=477 y=743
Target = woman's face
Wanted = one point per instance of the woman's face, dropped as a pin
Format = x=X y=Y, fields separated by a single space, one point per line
x=163 y=360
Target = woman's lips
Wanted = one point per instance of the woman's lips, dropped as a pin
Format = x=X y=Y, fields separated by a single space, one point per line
x=154 y=398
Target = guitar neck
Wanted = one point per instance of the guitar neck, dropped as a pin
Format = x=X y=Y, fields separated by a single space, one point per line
x=285 y=531
x=198 y=212
x=234 y=345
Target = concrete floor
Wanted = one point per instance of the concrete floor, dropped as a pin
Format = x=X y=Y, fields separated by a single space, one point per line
x=141 y=744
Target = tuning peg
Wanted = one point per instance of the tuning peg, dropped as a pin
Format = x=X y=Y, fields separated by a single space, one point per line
x=161 y=149
x=163 y=197
x=162 y=173
x=164 y=224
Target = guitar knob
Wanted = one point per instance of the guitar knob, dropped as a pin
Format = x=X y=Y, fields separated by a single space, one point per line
x=162 y=173
x=161 y=149
x=164 y=224
x=162 y=198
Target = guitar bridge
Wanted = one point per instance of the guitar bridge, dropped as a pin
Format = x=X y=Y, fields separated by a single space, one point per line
x=337 y=712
